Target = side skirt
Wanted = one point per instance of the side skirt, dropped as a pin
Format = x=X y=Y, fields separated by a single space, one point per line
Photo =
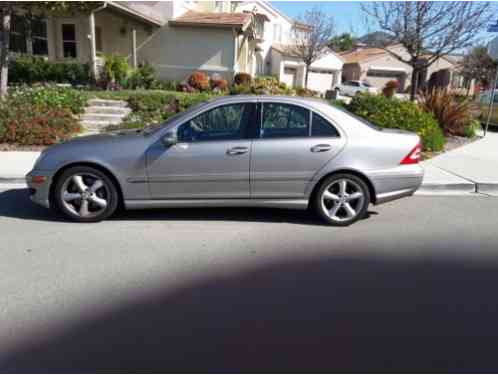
x=298 y=204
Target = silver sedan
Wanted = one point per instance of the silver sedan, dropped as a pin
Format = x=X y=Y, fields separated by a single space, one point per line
x=285 y=152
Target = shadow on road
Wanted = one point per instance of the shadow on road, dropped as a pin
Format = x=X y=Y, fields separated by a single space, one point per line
x=15 y=203
x=329 y=314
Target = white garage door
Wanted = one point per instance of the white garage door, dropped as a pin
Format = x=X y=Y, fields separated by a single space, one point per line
x=289 y=77
x=320 y=81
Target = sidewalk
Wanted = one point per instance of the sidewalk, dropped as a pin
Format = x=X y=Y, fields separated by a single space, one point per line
x=14 y=165
x=475 y=163
x=472 y=168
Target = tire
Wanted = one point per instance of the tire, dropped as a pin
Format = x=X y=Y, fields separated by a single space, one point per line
x=85 y=195
x=339 y=209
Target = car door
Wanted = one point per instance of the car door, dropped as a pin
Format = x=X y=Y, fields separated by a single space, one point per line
x=210 y=159
x=290 y=149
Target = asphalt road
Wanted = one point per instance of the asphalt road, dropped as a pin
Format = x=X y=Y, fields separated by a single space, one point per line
x=411 y=288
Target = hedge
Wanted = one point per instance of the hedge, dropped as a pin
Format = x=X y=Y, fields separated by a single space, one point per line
x=395 y=113
x=31 y=69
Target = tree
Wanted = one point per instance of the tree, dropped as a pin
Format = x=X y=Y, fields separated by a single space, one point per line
x=311 y=42
x=341 y=43
x=428 y=30
x=28 y=10
x=478 y=65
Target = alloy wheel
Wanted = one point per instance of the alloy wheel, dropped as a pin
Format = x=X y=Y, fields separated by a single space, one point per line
x=342 y=200
x=85 y=195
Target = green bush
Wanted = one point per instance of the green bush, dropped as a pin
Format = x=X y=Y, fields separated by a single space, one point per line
x=51 y=97
x=142 y=78
x=31 y=69
x=394 y=113
x=470 y=130
x=150 y=108
x=115 y=68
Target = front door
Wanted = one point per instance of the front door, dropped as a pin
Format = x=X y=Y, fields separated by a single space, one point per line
x=293 y=146
x=210 y=160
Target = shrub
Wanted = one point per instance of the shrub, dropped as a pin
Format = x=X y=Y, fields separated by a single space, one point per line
x=115 y=69
x=391 y=88
x=199 y=81
x=156 y=107
x=301 y=91
x=240 y=89
x=51 y=97
x=35 y=125
x=470 y=130
x=218 y=83
x=451 y=114
x=242 y=79
x=394 y=113
x=142 y=78
x=31 y=69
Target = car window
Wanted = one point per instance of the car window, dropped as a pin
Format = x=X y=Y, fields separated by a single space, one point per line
x=356 y=84
x=366 y=84
x=222 y=123
x=322 y=128
x=347 y=83
x=284 y=121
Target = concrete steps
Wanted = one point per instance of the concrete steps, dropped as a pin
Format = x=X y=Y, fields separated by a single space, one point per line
x=101 y=113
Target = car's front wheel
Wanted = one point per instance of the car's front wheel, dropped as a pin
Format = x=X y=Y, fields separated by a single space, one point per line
x=342 y=199
x=85 y=194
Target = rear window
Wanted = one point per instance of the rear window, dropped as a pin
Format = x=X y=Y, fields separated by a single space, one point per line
x=360 y=119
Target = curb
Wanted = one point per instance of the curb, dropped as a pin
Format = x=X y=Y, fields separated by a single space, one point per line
x=487 y=188
x=12 y=180
x=464 y=187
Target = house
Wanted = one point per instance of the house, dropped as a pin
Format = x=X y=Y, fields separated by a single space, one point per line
x=179 y=37
x=377 y=66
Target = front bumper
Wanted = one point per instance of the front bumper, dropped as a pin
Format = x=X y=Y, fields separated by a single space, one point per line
x=39 y=192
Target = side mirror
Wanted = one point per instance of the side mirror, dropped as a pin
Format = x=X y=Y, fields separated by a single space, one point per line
x=169 y=139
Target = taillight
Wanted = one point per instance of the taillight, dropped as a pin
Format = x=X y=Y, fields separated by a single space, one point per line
x=413 y=156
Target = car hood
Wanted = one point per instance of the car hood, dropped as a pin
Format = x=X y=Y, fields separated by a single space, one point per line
x=98 y=148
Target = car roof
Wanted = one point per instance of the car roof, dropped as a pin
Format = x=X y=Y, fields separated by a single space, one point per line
x=312 y=102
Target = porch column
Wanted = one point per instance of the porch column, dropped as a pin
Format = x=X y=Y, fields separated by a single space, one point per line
x=93 y=48
x=134 y=48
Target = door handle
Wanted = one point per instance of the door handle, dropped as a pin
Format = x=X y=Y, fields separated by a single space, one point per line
x=321 y=148
x=237 y=151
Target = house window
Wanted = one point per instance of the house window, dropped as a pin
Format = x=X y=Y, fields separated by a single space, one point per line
x=277 y=33
x=18 y=35
x=39 y=37
x=69 y=40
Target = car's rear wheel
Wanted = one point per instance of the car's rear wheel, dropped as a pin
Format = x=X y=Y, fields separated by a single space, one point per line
x=85 y=194
x=342 y=199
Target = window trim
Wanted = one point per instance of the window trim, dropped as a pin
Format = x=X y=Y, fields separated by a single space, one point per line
x=261 y=115
x=38 y=37
x=337 y=129
x=247 y=136
x=75 y=41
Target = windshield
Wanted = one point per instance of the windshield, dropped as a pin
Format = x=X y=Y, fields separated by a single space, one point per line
x=150 y=129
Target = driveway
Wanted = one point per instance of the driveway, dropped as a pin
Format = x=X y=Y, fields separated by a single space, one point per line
x=412 y=287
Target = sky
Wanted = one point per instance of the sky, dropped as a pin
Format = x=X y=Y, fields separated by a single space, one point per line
x=347 y=15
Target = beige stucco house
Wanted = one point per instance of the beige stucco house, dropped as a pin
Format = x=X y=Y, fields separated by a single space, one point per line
x=377 y=66
x=179 y=37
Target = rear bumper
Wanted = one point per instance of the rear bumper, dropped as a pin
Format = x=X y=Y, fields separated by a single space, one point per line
x=395 y=183
x=39 y=193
